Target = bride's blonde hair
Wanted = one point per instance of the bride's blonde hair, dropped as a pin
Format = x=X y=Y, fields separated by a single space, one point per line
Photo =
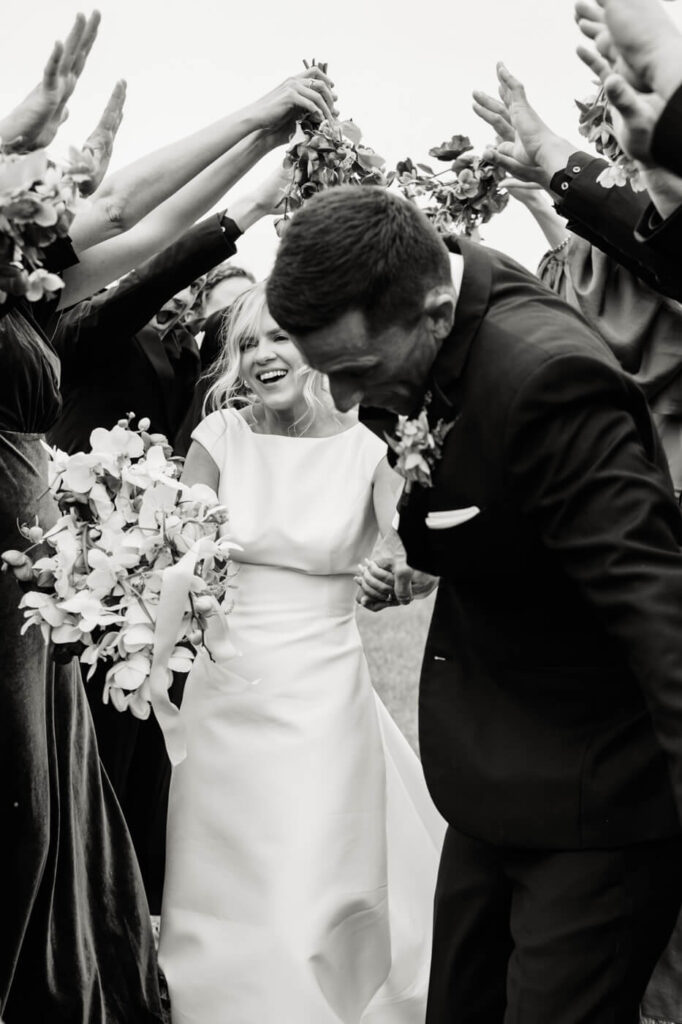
x=241 y=324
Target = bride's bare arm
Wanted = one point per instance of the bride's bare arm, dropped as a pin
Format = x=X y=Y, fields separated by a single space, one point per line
x=387 y=487
x=200 y=468
x=385 y=579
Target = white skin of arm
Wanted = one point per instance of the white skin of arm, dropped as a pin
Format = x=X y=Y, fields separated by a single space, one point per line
x=387 y=576
x=110 y=260
x=200 y=468
x=129 y=194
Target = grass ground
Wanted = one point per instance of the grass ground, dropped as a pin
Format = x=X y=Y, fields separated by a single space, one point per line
x=394 y=643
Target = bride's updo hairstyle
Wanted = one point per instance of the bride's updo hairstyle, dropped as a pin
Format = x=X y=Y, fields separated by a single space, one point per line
x=242 y=323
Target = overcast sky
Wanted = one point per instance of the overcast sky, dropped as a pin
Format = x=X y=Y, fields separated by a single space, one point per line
x=404 y=71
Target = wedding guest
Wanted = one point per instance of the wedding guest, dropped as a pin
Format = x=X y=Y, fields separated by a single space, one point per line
x=302 y=843
x=624 y=224
x=642 y=328
x=550 y=710
x=230 y=282
x=75 y=940
x=218 y=290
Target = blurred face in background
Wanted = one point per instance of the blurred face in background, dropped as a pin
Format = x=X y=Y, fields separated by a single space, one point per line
x=224 y=294
x=171 y=312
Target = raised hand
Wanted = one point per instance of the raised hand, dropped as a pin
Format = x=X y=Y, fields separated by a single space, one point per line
x=99 y=145
x=309 y=92
x=494 y=113
x=638 y=38
x=634 y=114
x=34 y=123
x=536 y=152
x=262 y=201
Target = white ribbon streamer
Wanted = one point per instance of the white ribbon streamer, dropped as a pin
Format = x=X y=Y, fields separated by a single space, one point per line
x=175 y=587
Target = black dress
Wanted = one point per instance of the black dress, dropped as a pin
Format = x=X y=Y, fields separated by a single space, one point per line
x=75 y=938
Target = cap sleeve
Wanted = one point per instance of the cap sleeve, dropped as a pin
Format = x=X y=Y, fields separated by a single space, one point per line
x=212 y=433
x=374 y=450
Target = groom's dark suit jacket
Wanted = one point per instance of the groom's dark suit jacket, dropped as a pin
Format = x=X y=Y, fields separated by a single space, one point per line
x=552 y=677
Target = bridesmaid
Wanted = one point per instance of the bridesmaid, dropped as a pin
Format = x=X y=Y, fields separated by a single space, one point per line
x=75 y=940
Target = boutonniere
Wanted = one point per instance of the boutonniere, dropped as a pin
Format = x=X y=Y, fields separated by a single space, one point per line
x=418 y=446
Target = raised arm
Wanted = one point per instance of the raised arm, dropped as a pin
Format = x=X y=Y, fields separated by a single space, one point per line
x=112 y=259
x=34 y=123
x=128 y=195
x=607 y=217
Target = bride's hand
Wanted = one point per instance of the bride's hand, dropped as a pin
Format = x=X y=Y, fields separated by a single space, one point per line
x=377 y=585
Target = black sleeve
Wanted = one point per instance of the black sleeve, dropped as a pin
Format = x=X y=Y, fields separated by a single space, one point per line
x=122 y=311
x=666 y=145
x=664 y=237
x=58 y=256
x=609 y=219
x=581 y=458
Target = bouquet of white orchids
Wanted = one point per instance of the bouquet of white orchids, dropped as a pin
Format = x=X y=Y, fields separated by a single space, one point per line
x=134 y=572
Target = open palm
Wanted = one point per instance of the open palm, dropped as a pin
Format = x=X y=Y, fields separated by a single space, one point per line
x=35 y=122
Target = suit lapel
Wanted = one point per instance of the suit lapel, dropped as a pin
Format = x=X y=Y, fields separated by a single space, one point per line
x=472 y=304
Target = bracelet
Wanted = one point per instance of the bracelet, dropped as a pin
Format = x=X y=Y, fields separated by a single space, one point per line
x=558 y=248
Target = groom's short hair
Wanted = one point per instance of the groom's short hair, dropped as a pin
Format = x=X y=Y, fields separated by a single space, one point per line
x=355 y=247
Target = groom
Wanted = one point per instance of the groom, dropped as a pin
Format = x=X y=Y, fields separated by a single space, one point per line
x=551 y=689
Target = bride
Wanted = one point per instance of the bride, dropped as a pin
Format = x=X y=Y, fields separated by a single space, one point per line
x=302 y=845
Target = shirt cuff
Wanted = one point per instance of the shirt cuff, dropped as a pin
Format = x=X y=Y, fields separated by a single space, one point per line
x=231 y=231
x=563 y=179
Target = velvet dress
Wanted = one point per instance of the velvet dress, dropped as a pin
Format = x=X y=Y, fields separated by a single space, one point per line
x=75 y=938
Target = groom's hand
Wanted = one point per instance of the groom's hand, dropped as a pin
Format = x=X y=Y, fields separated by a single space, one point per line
x=387 y=580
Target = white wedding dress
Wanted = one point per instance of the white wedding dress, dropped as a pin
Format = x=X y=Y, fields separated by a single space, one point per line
x=302 y=844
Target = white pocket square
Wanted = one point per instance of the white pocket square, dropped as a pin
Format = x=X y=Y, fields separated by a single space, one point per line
x=453 y=517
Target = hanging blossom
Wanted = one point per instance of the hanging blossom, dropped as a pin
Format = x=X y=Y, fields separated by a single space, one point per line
x=322 y=154
x=37 y=205
x=98 y=571
x=462 y=197
x=596 y=125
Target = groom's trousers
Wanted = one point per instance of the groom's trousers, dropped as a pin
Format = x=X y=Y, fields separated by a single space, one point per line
x=549 y=937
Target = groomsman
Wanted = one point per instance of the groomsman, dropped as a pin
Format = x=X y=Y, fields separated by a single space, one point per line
x=551 y=689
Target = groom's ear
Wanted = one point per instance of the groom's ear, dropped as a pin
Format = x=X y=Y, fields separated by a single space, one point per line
x=439 y=307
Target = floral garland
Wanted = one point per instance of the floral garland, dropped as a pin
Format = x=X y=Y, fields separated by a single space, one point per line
x=459 y=199
x=37 y=206
x=596 y=125
x=125 y=520
x=322 y=154
x=418 y=447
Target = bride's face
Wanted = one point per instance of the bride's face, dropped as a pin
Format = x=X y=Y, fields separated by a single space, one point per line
x=271 y=366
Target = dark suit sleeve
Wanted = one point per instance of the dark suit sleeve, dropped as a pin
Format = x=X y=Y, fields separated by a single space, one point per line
x=616 y=221
x=666 y=145
x=122 y=311
x=582 y=460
